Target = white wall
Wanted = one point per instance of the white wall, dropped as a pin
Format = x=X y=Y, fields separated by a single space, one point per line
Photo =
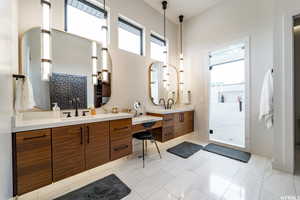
x=8 y=61
x=227 y=22
x=130 y=71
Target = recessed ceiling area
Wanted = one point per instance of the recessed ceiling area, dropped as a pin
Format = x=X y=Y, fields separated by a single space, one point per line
x=188 y=8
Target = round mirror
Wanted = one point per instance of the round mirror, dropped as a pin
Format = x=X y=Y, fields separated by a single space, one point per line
x=163 y=82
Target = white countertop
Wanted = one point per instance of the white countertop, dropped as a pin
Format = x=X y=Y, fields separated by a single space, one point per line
x=145 y=119
x=169 y=111
x=26 y=125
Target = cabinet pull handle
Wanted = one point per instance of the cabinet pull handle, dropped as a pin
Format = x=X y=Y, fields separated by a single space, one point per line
x=88 y=132
x=36 y=137
x=81 y=135
x=125 y=146
x=119 y=129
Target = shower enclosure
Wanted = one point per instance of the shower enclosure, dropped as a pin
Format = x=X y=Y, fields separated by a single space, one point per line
x=227 y=95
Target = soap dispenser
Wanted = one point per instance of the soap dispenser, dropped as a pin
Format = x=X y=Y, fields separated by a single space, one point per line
x=56 y=110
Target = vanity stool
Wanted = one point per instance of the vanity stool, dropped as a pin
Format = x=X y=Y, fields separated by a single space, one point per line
x=144 y=137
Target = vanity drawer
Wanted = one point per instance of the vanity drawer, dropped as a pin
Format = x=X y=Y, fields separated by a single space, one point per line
x=139 y=127
x=32 y=160
x=120 y=129
x=168 y=120
x=120 y=148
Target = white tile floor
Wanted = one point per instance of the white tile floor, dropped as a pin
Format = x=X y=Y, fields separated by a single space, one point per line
x=204 y=176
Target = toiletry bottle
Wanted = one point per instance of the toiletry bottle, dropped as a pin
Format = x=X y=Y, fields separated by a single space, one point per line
x=93 y=110
x=56 y=110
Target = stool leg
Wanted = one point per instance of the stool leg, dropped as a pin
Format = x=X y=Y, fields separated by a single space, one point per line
x=146 y=145
x=157 y=148
x=143 y=154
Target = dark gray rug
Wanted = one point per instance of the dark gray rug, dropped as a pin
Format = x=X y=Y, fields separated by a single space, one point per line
x=108 y=188
x=228 y=152
x=185 y=149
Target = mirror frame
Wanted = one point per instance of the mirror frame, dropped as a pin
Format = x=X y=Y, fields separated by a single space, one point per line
x=149 y=82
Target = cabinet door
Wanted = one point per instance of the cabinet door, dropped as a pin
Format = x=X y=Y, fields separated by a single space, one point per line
x=68 y=151
x=179 y=124
x=32 y=163
x=97 y=144
x=188 y=122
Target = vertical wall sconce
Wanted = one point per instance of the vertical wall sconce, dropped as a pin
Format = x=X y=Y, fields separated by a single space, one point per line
x=95 y=62
x=46 y=62
x=105 y=71
x=166 y=76
x=181 y=62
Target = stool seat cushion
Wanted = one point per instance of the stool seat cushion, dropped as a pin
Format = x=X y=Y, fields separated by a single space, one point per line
x=146 y=135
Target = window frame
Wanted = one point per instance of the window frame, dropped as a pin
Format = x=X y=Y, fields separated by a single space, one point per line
x=159 y=38
x=86 y=3
x=140 y=29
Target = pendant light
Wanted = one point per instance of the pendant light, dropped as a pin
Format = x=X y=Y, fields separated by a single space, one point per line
x=181 y=70
x=166 y=75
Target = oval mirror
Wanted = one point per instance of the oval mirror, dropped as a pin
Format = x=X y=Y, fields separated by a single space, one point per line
x=163 y=82
x=77 y=72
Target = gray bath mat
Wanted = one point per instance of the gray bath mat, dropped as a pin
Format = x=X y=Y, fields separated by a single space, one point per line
x=228 y=152
x=108 y=188
x=185 y=149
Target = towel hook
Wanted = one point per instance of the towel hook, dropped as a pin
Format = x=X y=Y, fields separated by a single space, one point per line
x=17 y=76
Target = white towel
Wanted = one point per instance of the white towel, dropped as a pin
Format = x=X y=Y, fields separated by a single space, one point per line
x=266 y=100
x=28 y=98
x=24 y=99
x=19 y=95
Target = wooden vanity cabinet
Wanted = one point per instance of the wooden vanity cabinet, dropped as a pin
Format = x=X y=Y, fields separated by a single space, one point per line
x=32 y=167
x=97 y=144
x=78 y=148
x=168 y=131
x=184 y=123
x=120 y=138
x=68 y=151
x=174 y=125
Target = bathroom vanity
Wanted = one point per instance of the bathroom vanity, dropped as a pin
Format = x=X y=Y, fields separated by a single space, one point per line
x=176 y=123
x=46 y=151
x=57 y=150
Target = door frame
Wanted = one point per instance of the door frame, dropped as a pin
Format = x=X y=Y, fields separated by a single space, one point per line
x=246 y=41
x=284 y=132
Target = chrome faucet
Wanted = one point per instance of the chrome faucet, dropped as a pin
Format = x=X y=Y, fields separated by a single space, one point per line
x=164 y=101
x=169 y=105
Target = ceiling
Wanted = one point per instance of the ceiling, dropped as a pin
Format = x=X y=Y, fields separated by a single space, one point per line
x=188 y=8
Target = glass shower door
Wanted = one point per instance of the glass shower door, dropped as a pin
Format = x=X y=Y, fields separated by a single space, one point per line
x=227 y=103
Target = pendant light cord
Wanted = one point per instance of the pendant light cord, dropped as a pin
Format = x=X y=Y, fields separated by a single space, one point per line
x=181 y=43
x=181 y=38
x=164 y=6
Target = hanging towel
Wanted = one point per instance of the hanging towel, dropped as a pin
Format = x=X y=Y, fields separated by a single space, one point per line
x=18 y=95
x=28 y=98
x=266 y=100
